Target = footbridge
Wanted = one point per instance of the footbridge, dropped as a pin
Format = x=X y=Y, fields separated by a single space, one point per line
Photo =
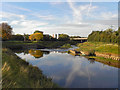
x=79 y=39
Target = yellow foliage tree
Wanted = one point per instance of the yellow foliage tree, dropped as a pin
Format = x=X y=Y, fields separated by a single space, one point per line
x=36 y=53
x=36 y=36
x=31 y=37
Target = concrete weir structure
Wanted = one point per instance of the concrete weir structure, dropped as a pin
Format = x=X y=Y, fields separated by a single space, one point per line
x=74 y=52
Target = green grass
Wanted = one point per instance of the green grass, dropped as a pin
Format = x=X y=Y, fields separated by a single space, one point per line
x=98 y=47
x=17 y=73
x=107 y=61
x=65 y=46
x=107 y=49
x=46 y=44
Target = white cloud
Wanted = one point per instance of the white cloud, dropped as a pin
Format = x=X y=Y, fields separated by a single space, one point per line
x=44 y=17
x=14 y=22
x=13 y=7
x=21 y=24
x=109 y=15
x=77 y=15
x=104 y=22
x=27 y=26
x=75 y=25
x=80 y=11
x=32 y=23
x=11 y=15
x=56 y=3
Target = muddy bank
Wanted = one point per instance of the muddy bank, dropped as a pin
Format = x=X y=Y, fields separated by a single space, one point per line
x=105 y=55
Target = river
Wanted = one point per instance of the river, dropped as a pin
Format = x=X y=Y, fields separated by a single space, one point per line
x=71 y=71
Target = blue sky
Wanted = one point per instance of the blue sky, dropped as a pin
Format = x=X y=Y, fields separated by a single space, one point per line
x=73 y=18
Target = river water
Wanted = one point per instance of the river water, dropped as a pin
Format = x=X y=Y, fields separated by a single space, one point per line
x=71 y=71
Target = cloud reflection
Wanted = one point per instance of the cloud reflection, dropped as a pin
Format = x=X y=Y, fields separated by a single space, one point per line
x=74 y=71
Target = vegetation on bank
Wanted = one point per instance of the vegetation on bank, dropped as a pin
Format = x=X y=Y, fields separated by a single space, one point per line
x=41 y=44
x=17 y=73
x=98 y=47
x=66 y=46
x=108 y=36
x=106 y=61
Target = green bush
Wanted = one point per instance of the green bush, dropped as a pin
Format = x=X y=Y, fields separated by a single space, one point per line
x=91 y=53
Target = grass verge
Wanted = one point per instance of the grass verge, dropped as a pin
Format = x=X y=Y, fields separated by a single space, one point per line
x=98 y=47
x=17 y=73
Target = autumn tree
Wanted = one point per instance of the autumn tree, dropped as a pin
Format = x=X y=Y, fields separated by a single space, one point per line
x=37 y=31
x=36 y=36
x=6 y=31
x=31 y=37
x=36 y=53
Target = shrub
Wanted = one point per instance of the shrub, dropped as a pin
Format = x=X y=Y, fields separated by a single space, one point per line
x=91 y=53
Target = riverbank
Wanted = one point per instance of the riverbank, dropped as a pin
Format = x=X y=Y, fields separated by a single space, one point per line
x=17 y=73
x=106 y=61
x=37 y=45
x=99 y=49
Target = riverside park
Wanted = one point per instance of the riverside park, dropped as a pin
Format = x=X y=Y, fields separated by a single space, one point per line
x=37 y=51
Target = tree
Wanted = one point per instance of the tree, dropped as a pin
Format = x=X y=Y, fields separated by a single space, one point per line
x=6 y=31
x=36 y=53
x=36 y=36
x=47 y=37
x=37 y=31
x=26 y=37
x=17 y=37
x=109 y=36
x=63 y=37
x=31 y=37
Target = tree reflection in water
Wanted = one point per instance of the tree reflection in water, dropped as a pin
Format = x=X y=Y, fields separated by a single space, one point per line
x=36 y=53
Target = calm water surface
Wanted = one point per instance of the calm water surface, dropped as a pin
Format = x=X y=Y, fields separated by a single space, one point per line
x=72 y=71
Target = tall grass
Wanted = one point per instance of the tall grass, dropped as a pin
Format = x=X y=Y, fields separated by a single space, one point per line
x=17 y=73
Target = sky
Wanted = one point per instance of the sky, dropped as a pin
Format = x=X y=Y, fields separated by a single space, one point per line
x=72 y=18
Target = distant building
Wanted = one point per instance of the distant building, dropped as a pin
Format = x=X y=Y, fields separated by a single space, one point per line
x=55 y=36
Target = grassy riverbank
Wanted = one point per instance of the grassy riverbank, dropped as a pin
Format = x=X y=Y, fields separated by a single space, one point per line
x=98 y=47
x=17 y=73
x=40 y=44
x=106 y=61
x=66 y=46
x=103 y=52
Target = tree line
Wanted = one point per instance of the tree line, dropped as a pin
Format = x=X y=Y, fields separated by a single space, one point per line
x=6 y=33
x=109 y=36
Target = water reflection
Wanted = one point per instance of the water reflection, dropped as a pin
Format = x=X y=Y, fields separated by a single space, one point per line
x=91 y=60
x=74 y=71
x=36 y=53
x=33 y=52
